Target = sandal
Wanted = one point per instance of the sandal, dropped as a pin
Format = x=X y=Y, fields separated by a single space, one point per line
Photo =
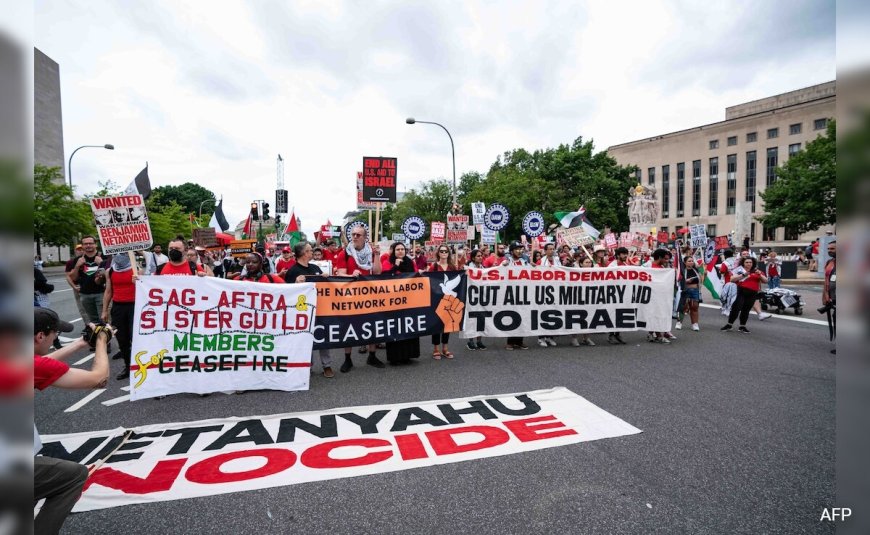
x=447 y=354
x=436 y=355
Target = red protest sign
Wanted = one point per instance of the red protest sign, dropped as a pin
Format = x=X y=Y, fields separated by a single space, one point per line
x=722 y=242
x=122 y=223
x=610 y=241
x=379 y=179
x=457 y=228
x=662 y=237
x=438 y=230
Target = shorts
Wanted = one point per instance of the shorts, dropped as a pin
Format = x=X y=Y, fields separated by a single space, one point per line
x=693 y=294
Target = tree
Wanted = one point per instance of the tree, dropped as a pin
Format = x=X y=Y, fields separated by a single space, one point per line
x=431 y=202
x=58 y=217
x=804 y=196
x=188 y=196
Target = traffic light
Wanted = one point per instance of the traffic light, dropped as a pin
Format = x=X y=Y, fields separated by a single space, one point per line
x=278 y=221
x=254 y=213
x=265 y=211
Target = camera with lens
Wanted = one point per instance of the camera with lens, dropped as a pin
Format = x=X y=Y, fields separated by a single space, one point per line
x=827 y=308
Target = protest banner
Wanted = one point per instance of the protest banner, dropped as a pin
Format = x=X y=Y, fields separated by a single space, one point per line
x=698 y=235
x=122 y=223
x=205 y=237
x=438 y=231
x=478 y=212
x=241 y=248
x=662 y=237
x=575 y=236
x=222 y=456
x=487 y=236
x=360 y=203
x=528 y=301
x=379 y=179
x=206 y=334
x=384 y=308
x=457 y=228
x=722 y=243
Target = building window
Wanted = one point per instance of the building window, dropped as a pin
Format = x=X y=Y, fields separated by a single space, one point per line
x=768 y=233
x=794 y=148
x=714 y=144
x=772 y=133
x=820 y=124
x=711 y=230
x=651 y=175
x=750 y=177
x=731 y=183
x=732 y=141
x=772 y=160
x=681 y=188
x=714 y=186
x=696 y=188
x=666 y=190
x=794 y=129
x=664 y=229
x=752 y=232
x=791 y=234
x=751 y=137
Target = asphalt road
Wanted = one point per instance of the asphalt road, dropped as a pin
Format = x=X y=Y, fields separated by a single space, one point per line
x=738 y=437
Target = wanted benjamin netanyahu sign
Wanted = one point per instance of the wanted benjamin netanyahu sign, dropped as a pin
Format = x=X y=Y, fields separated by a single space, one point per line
x=122 y=223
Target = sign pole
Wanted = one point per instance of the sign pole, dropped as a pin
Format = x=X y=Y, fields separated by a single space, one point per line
x=377 y=233
x=133 y=263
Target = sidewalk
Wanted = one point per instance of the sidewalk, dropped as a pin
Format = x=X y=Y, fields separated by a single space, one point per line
x=806 y=278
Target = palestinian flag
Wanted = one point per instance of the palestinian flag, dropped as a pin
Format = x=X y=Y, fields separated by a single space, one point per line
x=248 y=224
x=577 y=219
x=712 y=281
x=292 y=230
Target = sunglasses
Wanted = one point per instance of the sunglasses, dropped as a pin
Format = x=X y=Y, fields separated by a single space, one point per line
x=443 y=251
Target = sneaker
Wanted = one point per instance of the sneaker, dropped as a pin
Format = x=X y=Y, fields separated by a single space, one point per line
x=678 y=326
x=588 y=342
x=116 y=356
x=664 y=340
x=695 y=327
x=328 y=373
x=763 y=316
x=480 y=346
x=611 y=339
x=510 y=347
x=470 y=346
x=542 y=342
x=575 y=342
x=551 y=341
x=727 y=327
x=123 y=375
x=373 y=360
x=619 y=339
x=348 y=364
x=744 y=330
x=669 y=336
x=522 y=346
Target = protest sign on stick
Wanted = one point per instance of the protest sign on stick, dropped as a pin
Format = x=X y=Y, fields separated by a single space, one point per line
x=457 y=228
x=698 y=235
x=204 y=237
x=122 y=223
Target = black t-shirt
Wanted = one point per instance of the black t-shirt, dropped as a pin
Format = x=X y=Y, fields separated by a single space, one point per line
x=87 y=276
x=298 y=269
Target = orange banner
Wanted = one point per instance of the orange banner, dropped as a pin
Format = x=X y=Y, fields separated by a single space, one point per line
x=364 y=297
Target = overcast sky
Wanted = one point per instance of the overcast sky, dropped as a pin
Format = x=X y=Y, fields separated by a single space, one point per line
x=211 y=92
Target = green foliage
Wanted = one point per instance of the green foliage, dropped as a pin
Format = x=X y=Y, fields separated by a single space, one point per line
x=188 y=196
x=167 y=221
x=804 y=196
x=58 y=217
x=431 y=202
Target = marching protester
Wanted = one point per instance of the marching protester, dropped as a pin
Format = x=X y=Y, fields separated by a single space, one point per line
x=178 y=264
x=599 y=255
x=475 y=262
x=297 y=273
x=287 y=260
x=550 y=258
x=154 y=259
x=748 y=279
x=121 y=294
x=59 y=481
x=317 y=254
x=620 y=259
x=255 y=270
x=660 y=260
x=516 y=259
x=829 y=292
x=358 y=258
x=584 y=339
x=497 y=258
x=536 y=257
x=88 y=275
x=331 y=250
x=443 y=262
x=193 y=256
x=692 y=278
x=41 y=289
x=400 y=351
x=420 y=262
x=70 y=265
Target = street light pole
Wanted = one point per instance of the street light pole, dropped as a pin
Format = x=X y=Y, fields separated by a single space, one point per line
x=411 y=120
x=108 y=146
x=200 y=206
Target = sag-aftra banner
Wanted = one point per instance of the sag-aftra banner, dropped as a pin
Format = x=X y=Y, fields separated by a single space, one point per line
x=172 y=461
x=204 y=334
x=536 y=301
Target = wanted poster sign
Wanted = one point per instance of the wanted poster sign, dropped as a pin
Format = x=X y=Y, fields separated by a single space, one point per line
x=457 y=228
x=122 y=223
x=204 y=334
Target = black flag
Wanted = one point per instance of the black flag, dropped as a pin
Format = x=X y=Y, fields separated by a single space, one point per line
x=219 y=216
x=141 y=184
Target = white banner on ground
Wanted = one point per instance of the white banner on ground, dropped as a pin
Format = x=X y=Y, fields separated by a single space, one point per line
x=535 y=301
x=204 y=334
x=222 y=456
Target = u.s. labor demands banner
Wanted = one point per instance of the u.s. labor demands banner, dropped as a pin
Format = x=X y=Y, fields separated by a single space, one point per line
x=524 y=301
x=172 y=461
x=385 y=308
x=204 y=334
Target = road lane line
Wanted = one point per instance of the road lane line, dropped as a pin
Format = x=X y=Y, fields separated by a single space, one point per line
x=115 y=401
x=75 y=320
x=89 y=357
x=84 y=401
x=125 y=388
x=778 y=316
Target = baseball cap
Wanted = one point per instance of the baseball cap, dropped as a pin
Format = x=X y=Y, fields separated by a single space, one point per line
x=45 y=320
x=286 y=250
x=598 y=248
x=516 y=245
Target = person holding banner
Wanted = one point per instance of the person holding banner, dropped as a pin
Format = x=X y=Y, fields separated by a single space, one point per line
x=621 y=259
x=301 y=269
x=550 y=258
x=443 y=262
x=178 y=264
x=497 y=258
x=121 y=293
x=661 y=259
x=585 y=263
x=693 y=278
x=516 y=259
x=255 y=270
x=400 y=351
x=358 y=258
x=475 y=262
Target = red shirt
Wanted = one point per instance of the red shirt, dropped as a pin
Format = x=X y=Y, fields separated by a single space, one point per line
x=123 y=290
x=184 y=269
x=328 y=254
x=420 y=262
x=342 y=261
x=492 y=260
x=772 y=269
x=282 y=264
x=46 y=371
x=726 y=273
x=264 y=277
x=752 y=282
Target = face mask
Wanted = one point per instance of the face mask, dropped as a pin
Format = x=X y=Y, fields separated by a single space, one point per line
x=175 y=255
x=833 y=254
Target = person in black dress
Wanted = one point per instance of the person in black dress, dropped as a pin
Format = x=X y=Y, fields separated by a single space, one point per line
x=400 y=351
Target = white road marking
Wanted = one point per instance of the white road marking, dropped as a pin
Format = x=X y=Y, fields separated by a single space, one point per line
x=89 y=357
x=778 y=316
x=125 y=388
x=115 y=401
x=75 y=320
x=84 y=401
x=67 y=290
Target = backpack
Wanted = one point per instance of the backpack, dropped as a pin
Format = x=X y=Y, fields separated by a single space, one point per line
x=189 y=263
